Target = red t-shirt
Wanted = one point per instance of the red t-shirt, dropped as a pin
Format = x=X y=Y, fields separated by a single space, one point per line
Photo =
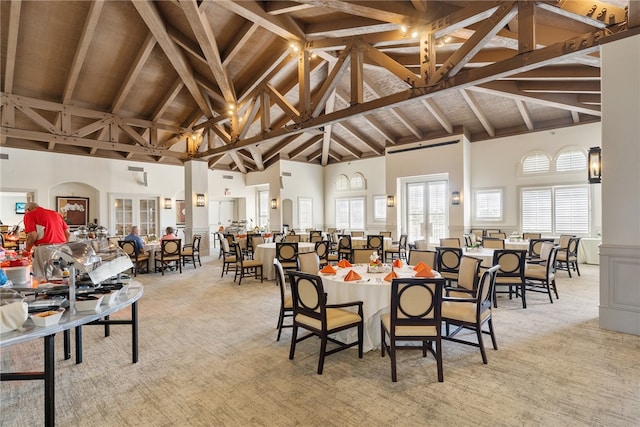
x=54 y=225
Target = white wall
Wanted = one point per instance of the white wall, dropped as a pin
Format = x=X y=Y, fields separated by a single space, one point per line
x=495 y=163
x=306 y=180
x=8 y=214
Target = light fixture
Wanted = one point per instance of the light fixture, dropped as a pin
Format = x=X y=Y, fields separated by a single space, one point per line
x=200 y=200
x=167 y=203
x=455 y=197
x=595 y=165
x=274 y=203
x=391 y=201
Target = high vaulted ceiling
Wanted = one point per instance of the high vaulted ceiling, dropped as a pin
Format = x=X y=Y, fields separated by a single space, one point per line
x=241 y=84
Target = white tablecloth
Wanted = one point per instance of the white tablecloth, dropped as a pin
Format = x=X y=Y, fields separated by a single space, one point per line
x=152 y=248
x=516 y=244
x=266 y=252
x=588 y=251
x=372 y=291
x=486 y=255
x=361 y=242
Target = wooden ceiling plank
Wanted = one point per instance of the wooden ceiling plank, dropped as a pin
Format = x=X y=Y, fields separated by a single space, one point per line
x=237 y=44
x=477 y=41
x=314 y=155
x=633 y=14
x=12 y=44
x=276 y=149
x=133 y=134
x=396 y=12
x=276 y=7
x=305 y=146
x=362 y=138
x=575 y=72
x=579 y=12
x=347 y=146
x=286 y=106
x=526 y=115
x=88 y=30
x=154 y=22
x=590 y=98
x=283 y=26
x=328 y=130
x=462 y=18
x=347 y=27
x=420 y=5
x=475 y=107
x=575 y=116
x=257 y=158
x=526 y=26
x=204 y=34
x=437 y=113
x=238 y=161
x=335 y=156
x=134 y=71
x=248 y=117
x=90 y=128
x=265 y=77
x=304 y=83
x=169 y=96
x=185 y=43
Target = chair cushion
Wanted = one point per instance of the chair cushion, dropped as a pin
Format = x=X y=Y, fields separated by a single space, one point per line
x=230 y=259
x=462 y=311
x=336 y=317
x=187 y=251
x=459 y=294
x=536 y=272
x=408 y=331
x=448 y=275
x=169 y=258
x=507 y=280
x=252 y=263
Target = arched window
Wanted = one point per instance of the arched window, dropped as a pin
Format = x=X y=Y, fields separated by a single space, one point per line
x=535 y=162
x=342 y=183
x=571 y=159
x=357 y=182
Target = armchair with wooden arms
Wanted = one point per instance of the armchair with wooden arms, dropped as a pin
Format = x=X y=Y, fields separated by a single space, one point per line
x=191 y=251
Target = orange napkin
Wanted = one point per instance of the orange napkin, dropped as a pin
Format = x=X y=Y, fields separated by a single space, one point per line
x=425 y=272
x=344 y=263
x=389 y=277
x=352 y=275
x=328 y=269
x=397 y=263
x=419 y=266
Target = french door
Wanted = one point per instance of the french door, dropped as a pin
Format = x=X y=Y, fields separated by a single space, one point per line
x=426 y=211
x=127 y=211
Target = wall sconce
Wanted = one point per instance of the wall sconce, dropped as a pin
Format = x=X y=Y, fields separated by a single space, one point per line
x=167 y=203
x=455 y=198
x=595 y=165
x=274 y=203
x=391 y=201
x=200 y=200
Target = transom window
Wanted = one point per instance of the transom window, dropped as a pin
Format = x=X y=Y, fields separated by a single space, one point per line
x=571 y=159
x=342 y=183
x=535 y=162
x=357 y=182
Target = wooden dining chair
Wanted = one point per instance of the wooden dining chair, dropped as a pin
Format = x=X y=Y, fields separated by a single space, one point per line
x=169 y=254
x=309 y=262
x=450 y=242
x=322 y=249
x=417 y=256
x=493 y=243
x=312 y=313
x=567 y=258
x=191 y=251
x=286 y=302
x=246 y=267
x=510 y=274
x=139 y=260
x=414 y=316
x=362 y=255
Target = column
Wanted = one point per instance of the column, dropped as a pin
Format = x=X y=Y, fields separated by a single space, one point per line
x=620 y=248
x=197 y=217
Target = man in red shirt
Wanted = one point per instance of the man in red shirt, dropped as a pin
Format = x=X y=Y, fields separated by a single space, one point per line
x=43 y=227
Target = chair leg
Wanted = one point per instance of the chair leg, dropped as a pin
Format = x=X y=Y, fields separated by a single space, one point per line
x=323 y=350
x=360 y=339
x=523 y=293
x=439 y=360
x=481 y=343
x=548 y=284
x=493 y=336
x=555 y=289
x=292 y=348
x=280 y=322
x=577 y=268
x=392 y=356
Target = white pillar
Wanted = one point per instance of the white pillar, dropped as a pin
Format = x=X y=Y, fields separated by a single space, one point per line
x=196 y=179
x=620 y=248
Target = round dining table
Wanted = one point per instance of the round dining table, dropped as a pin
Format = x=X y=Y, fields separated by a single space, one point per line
x=361 y=242
x=372 y=290
x=266 y=252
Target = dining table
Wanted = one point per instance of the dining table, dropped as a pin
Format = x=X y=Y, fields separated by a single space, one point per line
x=361 y=242
x=517 y=244
x=266 y=252
x=152 y=248
x=372 y=290
x=484 y=254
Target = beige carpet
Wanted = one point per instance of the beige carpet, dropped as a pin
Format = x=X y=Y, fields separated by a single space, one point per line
x=208 y=357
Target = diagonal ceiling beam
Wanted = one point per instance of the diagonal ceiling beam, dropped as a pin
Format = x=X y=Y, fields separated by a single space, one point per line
x=204 y=34
x=362 y=138
x=282 y=25
x=134 y=71
x=437 y=113
x=396 y=12
x=12 y=45
x=90 y=25
x=475 y=107
x=524 y=112
x=154 y=22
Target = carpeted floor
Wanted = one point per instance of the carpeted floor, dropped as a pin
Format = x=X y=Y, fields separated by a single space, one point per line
x=208 y=357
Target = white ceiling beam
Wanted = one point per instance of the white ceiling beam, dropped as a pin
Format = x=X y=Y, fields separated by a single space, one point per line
x=475 y=107
x=437 y=113
x=525 y=113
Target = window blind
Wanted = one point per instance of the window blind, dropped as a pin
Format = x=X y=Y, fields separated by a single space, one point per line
x=536 y=210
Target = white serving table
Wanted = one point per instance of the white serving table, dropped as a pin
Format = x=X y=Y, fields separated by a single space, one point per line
x=589 y=250
x=68 y=321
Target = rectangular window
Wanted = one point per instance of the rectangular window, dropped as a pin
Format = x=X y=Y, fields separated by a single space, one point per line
x=426 y=207
x=379 y=208
x=555 y=210
x=305 y=213
x=488 y=205
x=263 y=208
x=127 y=211
x=350 y=213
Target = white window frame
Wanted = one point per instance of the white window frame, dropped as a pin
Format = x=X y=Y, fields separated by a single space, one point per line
x=133 y=215
x=486 y=193
x=379 y=208
x=350 y=223
x=554 y=192
x=537 y=171
x=357 y=182
x=305 y=213
x=263 y=208
x=342 y=183
x=571 y=151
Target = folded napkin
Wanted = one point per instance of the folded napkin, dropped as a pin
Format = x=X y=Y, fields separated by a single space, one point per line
x=397 y=263
x=328 y=269
x=419 y=266
x=344 y=263
x=351 y=276
x=425 y=272
x=389 y=277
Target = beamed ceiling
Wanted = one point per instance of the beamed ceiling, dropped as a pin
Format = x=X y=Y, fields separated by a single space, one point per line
x=241 y=84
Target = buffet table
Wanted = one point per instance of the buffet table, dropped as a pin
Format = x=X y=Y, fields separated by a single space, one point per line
x=588 y=250
x=30 y=332
x=372 y=290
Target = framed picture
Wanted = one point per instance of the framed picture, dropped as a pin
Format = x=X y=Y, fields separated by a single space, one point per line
x=180 y=212
x=74 y=210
